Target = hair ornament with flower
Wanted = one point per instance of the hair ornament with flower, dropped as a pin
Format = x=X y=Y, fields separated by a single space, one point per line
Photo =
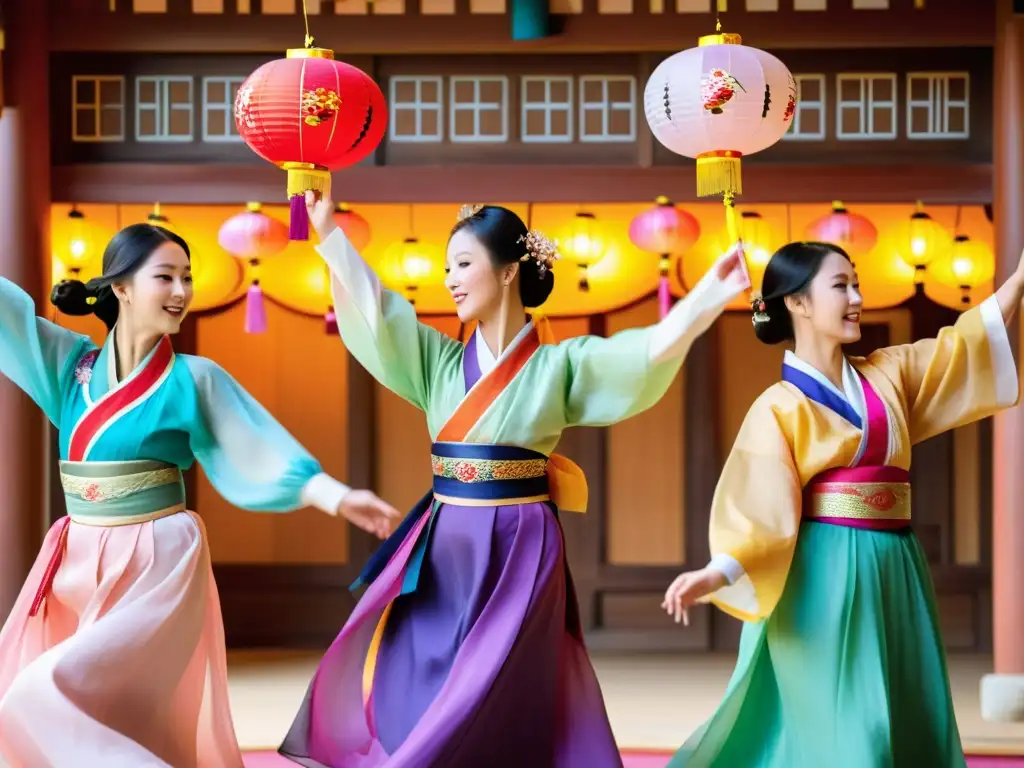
x=540 y=249
x=468 y=211
x=757 y=306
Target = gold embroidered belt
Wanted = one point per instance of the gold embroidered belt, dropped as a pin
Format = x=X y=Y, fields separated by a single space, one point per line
x=475 y=475
x=881 y=500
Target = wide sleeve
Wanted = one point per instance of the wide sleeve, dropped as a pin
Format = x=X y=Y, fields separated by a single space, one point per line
x=249 y=458
x=35 y=353
x=755 y=516
x=380 y=328
x=964 y=374
x=611 y=379
x=615 y=378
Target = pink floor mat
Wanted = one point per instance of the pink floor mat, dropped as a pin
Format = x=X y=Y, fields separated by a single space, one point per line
x=632 y=759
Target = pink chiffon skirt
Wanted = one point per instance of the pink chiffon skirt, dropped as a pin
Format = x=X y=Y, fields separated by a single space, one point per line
x=124 y=664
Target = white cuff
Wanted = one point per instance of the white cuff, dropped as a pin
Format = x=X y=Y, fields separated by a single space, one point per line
x=325 y=493
x=728 y=566
x=1004 y=368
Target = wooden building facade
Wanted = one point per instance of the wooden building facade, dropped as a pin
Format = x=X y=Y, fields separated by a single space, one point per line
x=896 y=104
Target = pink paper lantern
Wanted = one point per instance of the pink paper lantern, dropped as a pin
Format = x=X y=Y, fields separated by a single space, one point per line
x=251 y=236
x=717 y=103
x=355 y=227
x=852 y=232
x=667 y=231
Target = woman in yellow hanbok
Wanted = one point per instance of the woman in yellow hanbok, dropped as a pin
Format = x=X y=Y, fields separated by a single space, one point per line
x=841 y=663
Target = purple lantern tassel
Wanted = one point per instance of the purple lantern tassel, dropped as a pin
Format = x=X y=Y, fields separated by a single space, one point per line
x=664 y=289
x=255 y=310
x=331 y=321
x=298 y=223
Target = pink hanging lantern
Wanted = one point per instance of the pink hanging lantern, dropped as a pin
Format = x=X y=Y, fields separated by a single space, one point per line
x=718 y=103
x=852 y=232
x=252 y=236
x=667 y=231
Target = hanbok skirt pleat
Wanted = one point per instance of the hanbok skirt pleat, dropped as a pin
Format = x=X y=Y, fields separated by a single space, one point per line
x=848 y=672
x=483 y=665
x=124 y=665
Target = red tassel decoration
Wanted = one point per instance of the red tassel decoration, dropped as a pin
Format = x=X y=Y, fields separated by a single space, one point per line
x=255 y=309
x=331 y=321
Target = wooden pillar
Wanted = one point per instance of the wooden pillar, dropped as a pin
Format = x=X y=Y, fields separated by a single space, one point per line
x=24 y=241
x=1002 y=693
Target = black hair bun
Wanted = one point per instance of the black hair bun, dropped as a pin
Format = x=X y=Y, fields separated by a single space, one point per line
x=72 y=297
x=779 y=325
x=534 y=289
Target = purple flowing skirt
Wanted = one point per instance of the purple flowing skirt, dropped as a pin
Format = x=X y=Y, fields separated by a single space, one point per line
x=483 y=665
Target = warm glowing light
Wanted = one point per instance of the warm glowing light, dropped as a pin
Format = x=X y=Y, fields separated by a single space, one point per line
x=581 y=242
x=410 y=264
x=923 y=242
x=81 y=246
x=968 y=265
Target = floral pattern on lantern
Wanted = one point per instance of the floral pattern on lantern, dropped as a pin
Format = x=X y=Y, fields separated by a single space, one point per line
x=251 y=236
x=310 y=115
x=667 y=231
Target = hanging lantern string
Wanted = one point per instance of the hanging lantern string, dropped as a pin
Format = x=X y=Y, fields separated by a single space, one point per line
x=956 y=223
x=305 y=19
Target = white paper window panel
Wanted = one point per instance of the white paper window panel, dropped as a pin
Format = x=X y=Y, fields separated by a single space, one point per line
x=810 y=5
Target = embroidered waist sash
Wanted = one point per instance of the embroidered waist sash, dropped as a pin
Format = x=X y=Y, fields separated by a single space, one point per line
x=473 y=475
x=109 y=493
x=875 y=498
x=469 y=475
x=121 y=492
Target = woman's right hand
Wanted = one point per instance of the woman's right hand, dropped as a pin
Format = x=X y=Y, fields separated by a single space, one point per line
x=321 y=214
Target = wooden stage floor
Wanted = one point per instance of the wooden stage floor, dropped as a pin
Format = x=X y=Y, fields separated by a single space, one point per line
x=654 y=701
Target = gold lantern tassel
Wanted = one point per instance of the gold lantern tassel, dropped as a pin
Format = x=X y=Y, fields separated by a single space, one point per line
x=718 y=173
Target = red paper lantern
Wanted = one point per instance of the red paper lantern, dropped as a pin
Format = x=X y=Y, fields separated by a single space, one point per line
x=852 y=232
x=667 y=231
x=251 y=236
x=310 y=115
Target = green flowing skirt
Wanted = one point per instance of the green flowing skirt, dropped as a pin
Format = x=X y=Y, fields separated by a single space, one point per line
x=847 y=672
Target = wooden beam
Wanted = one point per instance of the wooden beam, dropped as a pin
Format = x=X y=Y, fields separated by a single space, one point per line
x=943 y=24
x=964 y=184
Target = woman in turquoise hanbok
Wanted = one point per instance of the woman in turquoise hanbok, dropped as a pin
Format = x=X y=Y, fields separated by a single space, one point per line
x=114 y=652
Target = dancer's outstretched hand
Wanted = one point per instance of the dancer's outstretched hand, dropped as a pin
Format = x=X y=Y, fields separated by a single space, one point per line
x=367 y=511
x=688 y=588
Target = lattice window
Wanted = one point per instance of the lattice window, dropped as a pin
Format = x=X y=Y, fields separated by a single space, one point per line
x=97 y=108
x=938 y=105
x=218 y=108
x=416 y=109
x=607 y=108
x=547 y=109
x=866 y=106
x=478 y=109
x=809 y=120
x=163 y=108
